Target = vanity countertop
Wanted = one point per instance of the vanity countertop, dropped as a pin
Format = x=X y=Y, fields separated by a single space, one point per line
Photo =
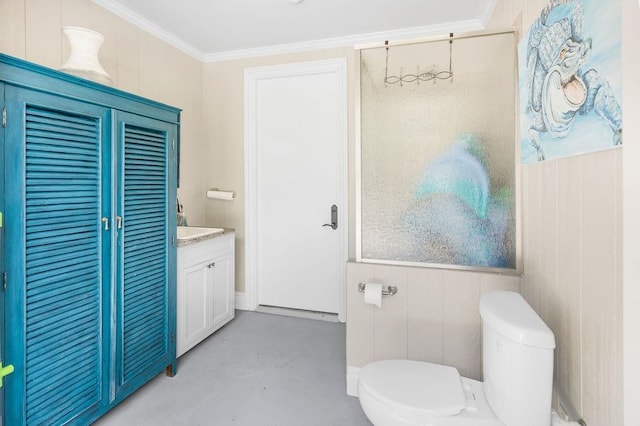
x=196 y=234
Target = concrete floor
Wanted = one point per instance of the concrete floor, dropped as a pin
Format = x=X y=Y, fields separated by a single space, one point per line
x=260 y=369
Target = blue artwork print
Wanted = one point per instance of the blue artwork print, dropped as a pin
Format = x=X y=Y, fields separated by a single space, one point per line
x=570 y=82
x=457 y=218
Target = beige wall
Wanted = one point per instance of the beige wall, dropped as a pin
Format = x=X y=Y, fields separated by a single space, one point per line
x=631 y=211
x=137 y=62
x=573 y=242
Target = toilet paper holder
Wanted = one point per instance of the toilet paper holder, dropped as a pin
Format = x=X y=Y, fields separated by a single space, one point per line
x=390 y=291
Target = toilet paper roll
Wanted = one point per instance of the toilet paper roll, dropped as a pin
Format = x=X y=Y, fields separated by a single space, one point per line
x=221 y=195
x=373 y=294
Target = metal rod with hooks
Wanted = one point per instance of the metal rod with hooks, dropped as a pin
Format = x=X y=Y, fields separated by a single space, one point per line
x=433 y=75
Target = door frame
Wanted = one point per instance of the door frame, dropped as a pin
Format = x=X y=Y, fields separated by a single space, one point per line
x=252 y=76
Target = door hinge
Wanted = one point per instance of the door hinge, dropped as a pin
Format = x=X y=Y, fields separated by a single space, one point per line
x=173 y=337
x=4 y=281
x=173 y=144
x=4 y=117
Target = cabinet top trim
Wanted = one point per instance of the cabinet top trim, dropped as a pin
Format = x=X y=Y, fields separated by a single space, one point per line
x=26 y=74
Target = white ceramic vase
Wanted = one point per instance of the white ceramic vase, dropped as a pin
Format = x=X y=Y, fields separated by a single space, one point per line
x=83 y=60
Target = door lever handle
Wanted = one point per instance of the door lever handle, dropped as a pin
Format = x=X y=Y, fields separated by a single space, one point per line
x=334 y=218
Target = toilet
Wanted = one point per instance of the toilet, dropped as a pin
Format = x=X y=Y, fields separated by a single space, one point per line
x=517 y=352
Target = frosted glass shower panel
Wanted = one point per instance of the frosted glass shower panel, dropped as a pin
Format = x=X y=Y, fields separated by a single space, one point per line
x=438 y=156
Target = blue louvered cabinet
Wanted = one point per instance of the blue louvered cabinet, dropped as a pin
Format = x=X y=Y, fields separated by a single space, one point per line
x=88 y=244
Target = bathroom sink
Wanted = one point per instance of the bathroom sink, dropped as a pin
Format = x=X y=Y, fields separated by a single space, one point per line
x=193 y=232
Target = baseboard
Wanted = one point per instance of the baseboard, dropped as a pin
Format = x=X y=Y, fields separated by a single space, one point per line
x=297 y=313
x=353 y=373
x=241 y=301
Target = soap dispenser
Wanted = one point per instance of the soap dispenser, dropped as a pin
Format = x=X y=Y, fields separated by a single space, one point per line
x=182 y=216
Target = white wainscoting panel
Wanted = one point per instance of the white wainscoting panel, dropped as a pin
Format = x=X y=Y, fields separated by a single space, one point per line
x=434 y=316
x=568 y=358
x=424 y=315
x=390 y=321
x=461 y=323
x=572 y=276
x=360 y=329
x=601 y=291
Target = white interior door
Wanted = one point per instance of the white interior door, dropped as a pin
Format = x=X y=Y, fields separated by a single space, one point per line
x=298 y=143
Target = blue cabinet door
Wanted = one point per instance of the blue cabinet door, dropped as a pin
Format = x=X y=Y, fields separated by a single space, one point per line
x=58 y=298
x=146 y=253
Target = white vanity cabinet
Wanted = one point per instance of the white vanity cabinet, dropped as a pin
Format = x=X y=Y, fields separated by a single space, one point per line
x=206 y=288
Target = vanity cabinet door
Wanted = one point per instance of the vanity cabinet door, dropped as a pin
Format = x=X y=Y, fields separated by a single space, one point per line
x=195 y=291
x=223 y=289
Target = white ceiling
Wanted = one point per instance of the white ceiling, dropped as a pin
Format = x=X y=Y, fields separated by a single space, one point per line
x=213 y=30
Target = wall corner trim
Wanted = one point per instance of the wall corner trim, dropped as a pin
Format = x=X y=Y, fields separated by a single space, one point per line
x=241 y=301
x=487 y=13
x=353 y=374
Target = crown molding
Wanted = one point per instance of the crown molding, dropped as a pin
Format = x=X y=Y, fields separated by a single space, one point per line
x=393 y=35
x=150 y=27
x=354 y=40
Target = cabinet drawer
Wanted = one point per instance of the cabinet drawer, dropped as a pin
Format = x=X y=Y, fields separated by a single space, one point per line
x=195 y=253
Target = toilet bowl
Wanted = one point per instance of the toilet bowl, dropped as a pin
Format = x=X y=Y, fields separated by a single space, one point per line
x=404 y=392
x=517 y=353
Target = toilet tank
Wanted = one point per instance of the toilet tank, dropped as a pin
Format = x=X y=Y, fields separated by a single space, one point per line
x=517 y=356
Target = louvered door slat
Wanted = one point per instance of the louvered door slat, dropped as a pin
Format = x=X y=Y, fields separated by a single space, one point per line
x=144 y=259
x=58 y=238
x=149 y=240
x=53 y=133
x=63 y=222
x=144 y=339
x=148 y=214
x=76 y=154
x=62 y=265
x=151 y=278
x=44 y=257
x=70 y=321
x=39 y=274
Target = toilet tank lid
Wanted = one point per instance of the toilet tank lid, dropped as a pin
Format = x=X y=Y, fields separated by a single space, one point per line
x=510 y=315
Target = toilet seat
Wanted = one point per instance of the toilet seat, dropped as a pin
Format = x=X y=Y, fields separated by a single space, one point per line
x=404 y=392
x=419 y=388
